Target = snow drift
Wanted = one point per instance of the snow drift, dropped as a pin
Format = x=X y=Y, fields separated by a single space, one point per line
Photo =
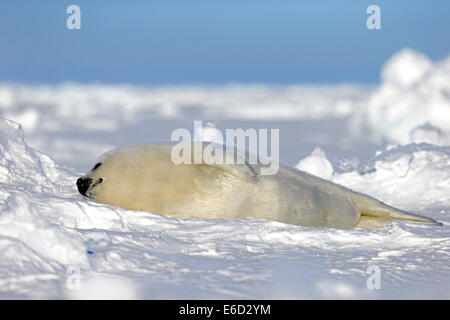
x=414 y=91
x=54 y=244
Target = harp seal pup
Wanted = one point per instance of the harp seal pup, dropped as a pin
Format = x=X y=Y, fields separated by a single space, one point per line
x=143 y=177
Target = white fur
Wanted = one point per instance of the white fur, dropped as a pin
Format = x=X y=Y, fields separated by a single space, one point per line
x=144 y=178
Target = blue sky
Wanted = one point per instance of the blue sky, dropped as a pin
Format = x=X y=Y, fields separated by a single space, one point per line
x=214 y=41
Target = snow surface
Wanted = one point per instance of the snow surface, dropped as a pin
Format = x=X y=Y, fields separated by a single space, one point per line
x=46 y=228
x=49 y=234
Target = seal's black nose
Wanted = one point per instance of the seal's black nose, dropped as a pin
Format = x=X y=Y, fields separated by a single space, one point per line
x=83 y=184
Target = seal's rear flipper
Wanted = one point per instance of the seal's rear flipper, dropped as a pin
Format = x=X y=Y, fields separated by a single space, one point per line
x=373 y=211
x=370 y=222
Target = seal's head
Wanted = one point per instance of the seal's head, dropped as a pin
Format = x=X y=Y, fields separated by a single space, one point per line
x=89 y=184
x=119 y=177
x=86 y=184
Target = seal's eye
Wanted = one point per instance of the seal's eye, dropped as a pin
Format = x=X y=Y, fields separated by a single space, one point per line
x=96 y=166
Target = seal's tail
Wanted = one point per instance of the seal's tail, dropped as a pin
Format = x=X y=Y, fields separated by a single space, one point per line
x=375 y=213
